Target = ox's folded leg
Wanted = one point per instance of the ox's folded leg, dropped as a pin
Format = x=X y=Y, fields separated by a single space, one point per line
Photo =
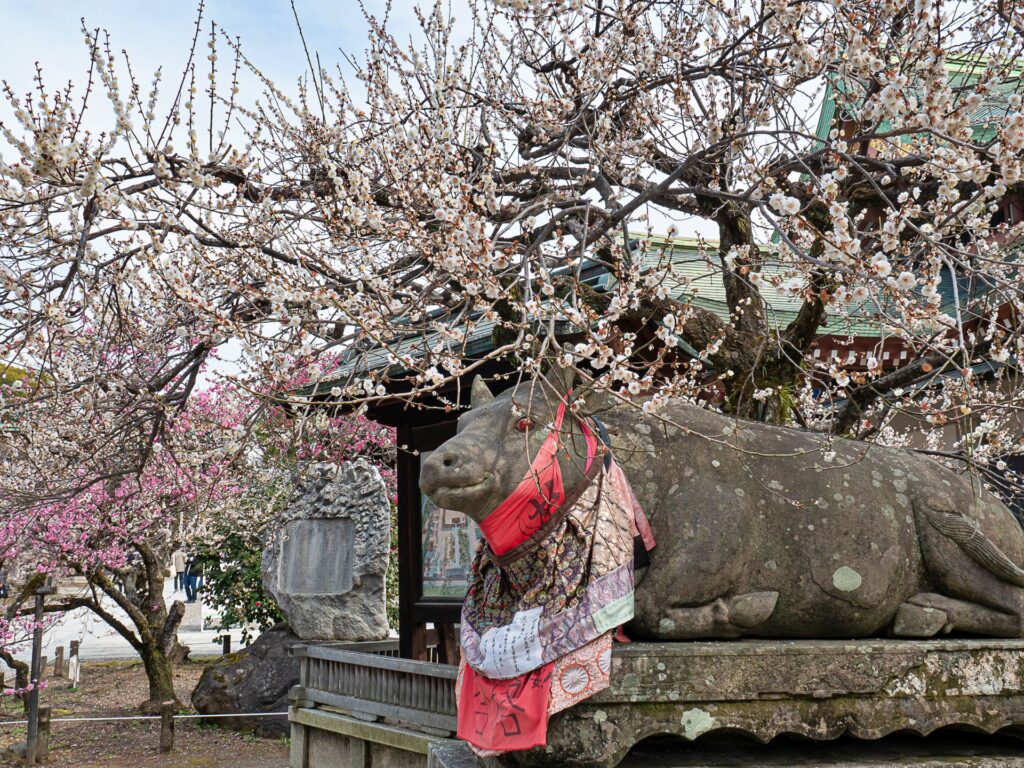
x=723 y=618
x=927 y=614
x=691 y=622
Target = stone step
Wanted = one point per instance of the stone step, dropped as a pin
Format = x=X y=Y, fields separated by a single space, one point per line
x=945 y=749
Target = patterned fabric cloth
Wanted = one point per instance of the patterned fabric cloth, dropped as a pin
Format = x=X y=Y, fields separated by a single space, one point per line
x=538 y=620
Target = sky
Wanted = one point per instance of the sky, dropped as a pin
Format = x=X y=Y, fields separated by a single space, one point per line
x=159 y=33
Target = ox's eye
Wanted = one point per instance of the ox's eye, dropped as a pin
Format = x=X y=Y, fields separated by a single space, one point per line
x=524 y=423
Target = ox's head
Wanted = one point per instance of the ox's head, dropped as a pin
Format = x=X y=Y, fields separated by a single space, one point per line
x=497 y=440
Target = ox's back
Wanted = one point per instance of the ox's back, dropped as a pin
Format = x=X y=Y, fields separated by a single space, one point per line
x=829 y=524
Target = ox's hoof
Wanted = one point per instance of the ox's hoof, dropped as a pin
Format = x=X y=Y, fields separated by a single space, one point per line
x=918 y=621
x=752 y=609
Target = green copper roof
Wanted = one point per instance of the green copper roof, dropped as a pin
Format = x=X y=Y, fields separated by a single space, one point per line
x=691 y=276
x=694 y=276
x=963 y=73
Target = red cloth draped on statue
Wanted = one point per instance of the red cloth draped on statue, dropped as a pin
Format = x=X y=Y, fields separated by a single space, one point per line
x=536 y=497
x=512 y=714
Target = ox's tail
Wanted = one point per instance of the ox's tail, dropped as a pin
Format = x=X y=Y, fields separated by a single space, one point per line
x=967 y=533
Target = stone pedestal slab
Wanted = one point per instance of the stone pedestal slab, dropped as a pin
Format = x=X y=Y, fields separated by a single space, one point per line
x=817 y=689
x=192 y=620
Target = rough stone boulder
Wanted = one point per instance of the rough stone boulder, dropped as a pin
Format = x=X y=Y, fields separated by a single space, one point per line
x=256 y=679
x=326 y=555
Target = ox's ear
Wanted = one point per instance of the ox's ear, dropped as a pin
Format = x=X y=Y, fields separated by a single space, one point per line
x=479 y=393
x=591 y=401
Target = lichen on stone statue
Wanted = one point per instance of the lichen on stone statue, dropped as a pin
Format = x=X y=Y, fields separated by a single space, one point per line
x=758 y=534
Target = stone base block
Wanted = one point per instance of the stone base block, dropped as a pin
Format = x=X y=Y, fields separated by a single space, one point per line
x=940 y=750
x=192 y=621
x=326 y=739
x=945 y=750
x=812 y=688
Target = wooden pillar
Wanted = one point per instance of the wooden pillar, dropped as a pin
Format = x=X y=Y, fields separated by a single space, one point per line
x=166 y=727
x=359 y=753
x=43 y=737
x=412 y=642
x=448 y=650
x=298 y=751
x=225 y=641
x=58 y=662
x=35 y=675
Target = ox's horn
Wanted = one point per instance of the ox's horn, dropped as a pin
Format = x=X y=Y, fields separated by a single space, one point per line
x=480 y=393
x=561 y=377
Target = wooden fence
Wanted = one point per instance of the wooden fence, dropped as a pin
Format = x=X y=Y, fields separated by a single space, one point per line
x=371 y=682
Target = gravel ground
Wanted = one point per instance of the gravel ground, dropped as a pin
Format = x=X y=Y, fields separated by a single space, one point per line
x=117 y=688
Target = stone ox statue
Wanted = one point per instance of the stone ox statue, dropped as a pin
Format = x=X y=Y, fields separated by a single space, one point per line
x=757 y=534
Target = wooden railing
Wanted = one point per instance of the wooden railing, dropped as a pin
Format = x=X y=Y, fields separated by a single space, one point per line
x=371 y=682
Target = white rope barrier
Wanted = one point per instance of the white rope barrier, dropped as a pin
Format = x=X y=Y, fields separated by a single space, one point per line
x=145 y=717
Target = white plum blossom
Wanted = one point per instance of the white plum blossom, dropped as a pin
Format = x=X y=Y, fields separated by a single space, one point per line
x=789 y=206
x=841 y=377
x=468 y=198
x=906 y=281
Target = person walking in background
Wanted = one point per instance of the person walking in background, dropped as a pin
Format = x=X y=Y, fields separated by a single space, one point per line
x=190 y=580
x=193 y=579
x=178 y=564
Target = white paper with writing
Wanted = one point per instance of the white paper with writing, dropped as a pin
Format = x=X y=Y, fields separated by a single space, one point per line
x=513 y=649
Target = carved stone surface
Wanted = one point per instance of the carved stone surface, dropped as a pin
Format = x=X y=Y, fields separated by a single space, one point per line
x=765 y=531
x=316 y=556
x=325 y=557
x=815 y=689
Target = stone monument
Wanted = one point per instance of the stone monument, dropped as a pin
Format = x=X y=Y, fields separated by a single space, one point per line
x=324 y=562
x=326 y=555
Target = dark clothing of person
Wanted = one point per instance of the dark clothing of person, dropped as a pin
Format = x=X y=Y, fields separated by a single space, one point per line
x=193 y=579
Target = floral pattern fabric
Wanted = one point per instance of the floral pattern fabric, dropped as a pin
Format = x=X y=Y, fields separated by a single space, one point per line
x=553 y=607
